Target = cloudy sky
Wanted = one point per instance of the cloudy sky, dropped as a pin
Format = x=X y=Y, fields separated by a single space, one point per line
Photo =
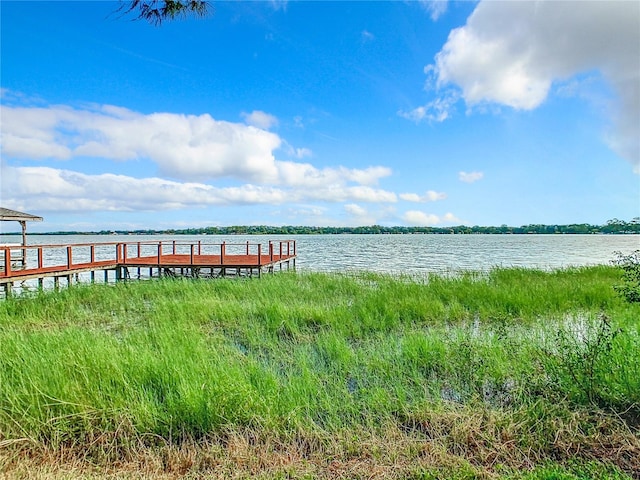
x=322 y=113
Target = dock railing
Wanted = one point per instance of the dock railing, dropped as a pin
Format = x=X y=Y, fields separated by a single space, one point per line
x=46 y=258
x=32 y=260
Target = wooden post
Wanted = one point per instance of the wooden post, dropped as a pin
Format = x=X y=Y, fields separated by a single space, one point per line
x=247 y=247
x=270 y=251
x=7 y=261
x=160 y=251
x=259 y=255
x=174 y=247
x=40 y=258
x=69 y=257
x=23 y=224
x=191 y=253
x=92 y=254
x=280 y=250
x=223 y=247
x=199 y=248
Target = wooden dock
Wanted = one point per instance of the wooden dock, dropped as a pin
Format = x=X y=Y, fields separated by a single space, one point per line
x=128 y=260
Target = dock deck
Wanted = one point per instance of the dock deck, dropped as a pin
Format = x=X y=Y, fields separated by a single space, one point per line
x=142 y=259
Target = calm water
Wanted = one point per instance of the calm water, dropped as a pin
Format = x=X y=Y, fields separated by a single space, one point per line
x=414 y=254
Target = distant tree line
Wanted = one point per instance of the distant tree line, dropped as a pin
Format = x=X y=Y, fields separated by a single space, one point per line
x=614 y=226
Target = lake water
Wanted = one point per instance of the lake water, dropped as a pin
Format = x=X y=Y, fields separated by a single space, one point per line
x=413 y=254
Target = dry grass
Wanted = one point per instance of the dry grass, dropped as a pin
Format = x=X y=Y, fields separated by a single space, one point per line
x=453 y=443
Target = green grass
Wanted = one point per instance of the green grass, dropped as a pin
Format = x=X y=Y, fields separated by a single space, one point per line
x=514 y=373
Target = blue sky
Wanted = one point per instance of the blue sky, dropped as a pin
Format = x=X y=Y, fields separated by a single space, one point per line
x=321 y=113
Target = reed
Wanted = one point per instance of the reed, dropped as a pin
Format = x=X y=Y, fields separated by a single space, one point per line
x=513 y=373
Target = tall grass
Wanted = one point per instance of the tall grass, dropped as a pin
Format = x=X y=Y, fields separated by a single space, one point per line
x=513 y=367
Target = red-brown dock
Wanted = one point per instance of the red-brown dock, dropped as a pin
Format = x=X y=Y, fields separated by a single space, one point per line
x=127 y=260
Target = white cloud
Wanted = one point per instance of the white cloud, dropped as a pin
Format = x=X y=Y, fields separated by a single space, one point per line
x=419 y=218
x=306 y=175
x=416 y=217
x=50 y=189
x=303 y=211
x=191 y=150
x=367 y=36
x=470 y=177
x=436 y=8
x=260 y=119
x=279 y=4
x=429 y=196
x=354 y=193
x=410 y=197
x=437 y=110
x=297 y=152
x=355 y=210
x=361 y=216
x=184 y=147
x=414 y=115
x=302 y=152
x=451 y=219
x=511 y=53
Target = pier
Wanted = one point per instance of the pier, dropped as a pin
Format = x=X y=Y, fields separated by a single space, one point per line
x=116 y=261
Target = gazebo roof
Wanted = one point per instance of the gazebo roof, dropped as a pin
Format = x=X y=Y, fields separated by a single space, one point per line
x=7 y=214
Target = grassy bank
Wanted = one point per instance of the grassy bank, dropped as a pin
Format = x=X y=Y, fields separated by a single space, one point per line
x=511 y=374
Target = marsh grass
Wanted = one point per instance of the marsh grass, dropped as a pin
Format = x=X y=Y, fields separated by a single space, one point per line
x=470 y=376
